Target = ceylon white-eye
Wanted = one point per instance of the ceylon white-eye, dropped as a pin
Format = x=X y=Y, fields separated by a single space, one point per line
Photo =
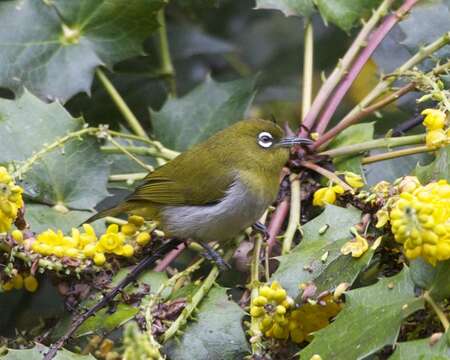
x=218 y=188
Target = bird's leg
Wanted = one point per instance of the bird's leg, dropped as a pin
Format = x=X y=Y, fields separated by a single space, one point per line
x=214 y=256
x=262 y=229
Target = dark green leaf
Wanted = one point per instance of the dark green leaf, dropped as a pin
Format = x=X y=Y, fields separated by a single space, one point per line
x=61 y=42
x=422 y=350
x=216 y=334
x=370 y=320
x=37 y=353
x=209 y=108
x=437 y=169
x=318 y=258
x=43 y=217
x=432 y=278
x=288 y=7
x=353 y=135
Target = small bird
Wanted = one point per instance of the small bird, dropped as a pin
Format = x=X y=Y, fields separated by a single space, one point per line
x=218 y=188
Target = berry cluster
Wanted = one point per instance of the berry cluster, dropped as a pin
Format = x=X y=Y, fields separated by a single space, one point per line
x=280 y=319
x=80 y=245
x=10 y=200
x=420 y=221
x=18 y=281
x=435 y=122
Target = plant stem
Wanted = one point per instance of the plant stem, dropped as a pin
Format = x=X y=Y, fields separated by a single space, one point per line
x=395 y=154
x=374 y=41
x=127 y=177
x=171 y=256
x=164 y=54
x=294 y=214
x=308 y=68
x=328 y=174
x=276 y=223
x=358 y=116
x=341 y=68
x=437 y=309
x=132 y=121
x=383 y=85
x=130 y=155
x=194 y=301
x=141 y=150
x=355 y=149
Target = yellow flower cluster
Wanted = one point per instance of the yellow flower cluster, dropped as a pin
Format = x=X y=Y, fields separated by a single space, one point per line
x=10 y=200
x=435 y=121
x=82 y=245
x=28 y=282
x=329 y=194
x=312 y=317
x=279 y=319
x=420 y=220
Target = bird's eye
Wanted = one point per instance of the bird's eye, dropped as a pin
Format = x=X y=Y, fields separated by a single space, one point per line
x=265 y=139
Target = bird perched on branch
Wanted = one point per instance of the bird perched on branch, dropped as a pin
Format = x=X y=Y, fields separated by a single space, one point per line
x=218 y=188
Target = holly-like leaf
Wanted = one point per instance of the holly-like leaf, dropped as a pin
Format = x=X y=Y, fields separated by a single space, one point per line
x=438 y=169
x=353 y=135
x=422 y=350
x=210 y=107
x=432 y=278
x=38 y=352
x=61 y=42
x=318 y=257
x=216 y=334
x=288 y=7
x=370 y=320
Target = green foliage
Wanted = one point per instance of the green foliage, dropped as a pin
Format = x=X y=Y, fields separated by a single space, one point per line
x=37 y=352
x=209 y=108
x=370 y=320
x=422 y=350
x=437 y=169
x=215 y=332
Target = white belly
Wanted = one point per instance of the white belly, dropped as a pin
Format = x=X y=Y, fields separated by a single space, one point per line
x=238 y=210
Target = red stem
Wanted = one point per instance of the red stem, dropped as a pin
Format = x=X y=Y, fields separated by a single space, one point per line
x=374 y=41
x=276 y=223
x=171 y=256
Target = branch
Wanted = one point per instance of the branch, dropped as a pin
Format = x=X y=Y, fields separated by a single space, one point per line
x=138 y=269
x=276 y=223
x=374 y=41
x=294 y=214
x=328 y=174
x=308 y=68
x=164 y=54
x=341 y=68
x=437 y=309
x=395 y=154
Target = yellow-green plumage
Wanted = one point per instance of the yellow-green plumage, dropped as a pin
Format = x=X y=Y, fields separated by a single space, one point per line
x=217 y=188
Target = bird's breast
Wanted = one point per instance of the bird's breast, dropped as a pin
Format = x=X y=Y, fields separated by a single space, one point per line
x=237 y=210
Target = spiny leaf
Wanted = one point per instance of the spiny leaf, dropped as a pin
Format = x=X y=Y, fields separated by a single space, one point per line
x=288 y=7
x=318 y=258
x=217 y=333
x=370 y=320
x=207 y=109
x=432 y=278
x=422 y=350
x=438 y=169
x=61 y=42
x=38 y=352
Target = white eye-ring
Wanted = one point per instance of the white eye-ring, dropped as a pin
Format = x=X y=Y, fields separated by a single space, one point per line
x=265 y=139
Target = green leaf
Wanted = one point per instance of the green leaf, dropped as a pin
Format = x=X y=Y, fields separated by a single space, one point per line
x=422 y=350
x=37 y=353
x=353 y=135
x=345 y=13
x=318 y=257
x=61 y=42
x=216 y=334
x=288 y=7
x=432 y=278
x=26 y=124
x=370 y=320
x=437 y=170
x=43 y=217
x=210 y=107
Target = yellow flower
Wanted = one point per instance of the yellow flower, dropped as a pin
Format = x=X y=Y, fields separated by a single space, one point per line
x=434 y=119
x=112 y=239
x=99 y=259
x=10 y=200
x=357 y=247
x=30 y=283
x=143 y=238
x=420 y=221
x=436 y=138
x=324 y=196
x=354 y=180
x=49 y=237
x=408 y=184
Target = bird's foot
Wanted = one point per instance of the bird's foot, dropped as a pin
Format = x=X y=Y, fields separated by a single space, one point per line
x=262 y=229
x=212 y=255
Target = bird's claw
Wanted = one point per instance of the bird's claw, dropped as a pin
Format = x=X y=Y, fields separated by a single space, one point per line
x=262 y=229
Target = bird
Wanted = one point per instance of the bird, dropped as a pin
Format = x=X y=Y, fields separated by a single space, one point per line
x=216 y=189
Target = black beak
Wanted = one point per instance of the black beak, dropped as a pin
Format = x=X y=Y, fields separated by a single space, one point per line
x=293 y=140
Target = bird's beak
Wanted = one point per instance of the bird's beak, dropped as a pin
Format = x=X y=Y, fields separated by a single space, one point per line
x=293 y=140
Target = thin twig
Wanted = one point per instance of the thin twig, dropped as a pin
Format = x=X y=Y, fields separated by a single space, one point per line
x=308 y=68
x=132 y=275
x=374 y=41
x=395 y=154
x=342 y=67
x=130 y=155
x=164 y=54
x=171 y=256
x=276 y=223
x=328 y=174
x=294 y=214
x=437 y=309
